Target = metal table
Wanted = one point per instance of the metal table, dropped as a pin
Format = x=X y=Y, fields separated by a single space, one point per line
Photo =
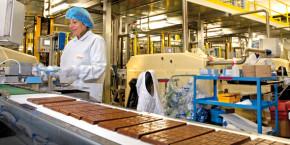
x=258 y=104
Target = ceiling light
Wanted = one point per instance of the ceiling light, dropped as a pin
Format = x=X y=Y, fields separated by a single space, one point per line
x=56 y=2
x=59 y=7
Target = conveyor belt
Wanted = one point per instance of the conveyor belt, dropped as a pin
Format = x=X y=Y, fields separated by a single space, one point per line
x=16 y=91
x=142 y=127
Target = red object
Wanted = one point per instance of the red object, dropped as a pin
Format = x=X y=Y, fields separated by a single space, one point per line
x=163 y=80
x=283 y=110
x=234 y=63
x=225 y=78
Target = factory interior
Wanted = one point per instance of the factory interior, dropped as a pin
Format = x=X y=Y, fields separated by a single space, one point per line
x=89 y=72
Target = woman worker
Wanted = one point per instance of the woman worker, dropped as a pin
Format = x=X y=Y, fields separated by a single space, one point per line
x=83 y=61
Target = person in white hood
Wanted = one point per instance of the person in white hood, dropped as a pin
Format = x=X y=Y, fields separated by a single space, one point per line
x=255 y=59
x=83 y=60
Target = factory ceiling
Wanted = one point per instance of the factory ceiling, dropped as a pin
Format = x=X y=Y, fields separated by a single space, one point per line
x=134 y=10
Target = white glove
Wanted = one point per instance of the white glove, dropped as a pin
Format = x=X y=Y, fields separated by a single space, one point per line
x=70 y=71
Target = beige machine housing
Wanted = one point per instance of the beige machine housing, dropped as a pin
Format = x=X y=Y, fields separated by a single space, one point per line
x=6 y=53
x=167 y=64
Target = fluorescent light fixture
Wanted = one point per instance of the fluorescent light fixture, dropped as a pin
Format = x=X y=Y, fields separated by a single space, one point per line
x=56 y=2
x=141 y=35
x=215 y=29
x=154 y=18
x=159 y=17
x=210 y=26
x=156 y=25
x=45 y=13
x=59 y=7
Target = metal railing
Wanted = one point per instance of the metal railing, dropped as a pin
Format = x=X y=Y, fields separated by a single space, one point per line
x=247 y=5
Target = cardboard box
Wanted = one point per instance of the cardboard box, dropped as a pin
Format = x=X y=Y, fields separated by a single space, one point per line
x=248 y=69
x=263 y=71
x=264 y=75
x=252 y=114
x=283 y=127
x=247 y=113
x=256 y=71
x=249 y=74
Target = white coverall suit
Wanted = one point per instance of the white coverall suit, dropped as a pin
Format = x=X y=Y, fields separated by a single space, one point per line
x=146 y=101
x=88 y=55
x=253 y=60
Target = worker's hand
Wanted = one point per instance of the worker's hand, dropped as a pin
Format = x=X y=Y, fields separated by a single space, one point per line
x=209 y=58
x=70 y=71
x=268 y=51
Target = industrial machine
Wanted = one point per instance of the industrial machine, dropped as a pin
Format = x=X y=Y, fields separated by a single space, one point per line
x=17 y=65
x=37 y=124
x=49 y=48
x=11 y=22
x=166 y=65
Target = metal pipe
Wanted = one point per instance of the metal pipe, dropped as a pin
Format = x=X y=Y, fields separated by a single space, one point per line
x=162 y=42
x=115 y=23
x=257 y=11
x=239 y=62
x=185 y=25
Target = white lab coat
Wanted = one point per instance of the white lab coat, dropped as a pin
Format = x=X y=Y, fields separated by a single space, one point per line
x=252 y=60
x=147 y=102
x=88 y=54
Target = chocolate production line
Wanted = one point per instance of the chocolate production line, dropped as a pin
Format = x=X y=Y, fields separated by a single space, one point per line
x=35 y=124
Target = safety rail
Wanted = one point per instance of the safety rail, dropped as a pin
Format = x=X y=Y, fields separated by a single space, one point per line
x=247 y=6
x=271 y=10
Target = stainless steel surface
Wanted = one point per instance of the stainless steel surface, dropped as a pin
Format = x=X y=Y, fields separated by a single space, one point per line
x=55 y=130
x=11 y=140
x=185 y=25
x=11 y=79
x=257 y=11
x=26 y=69
x=11 y=22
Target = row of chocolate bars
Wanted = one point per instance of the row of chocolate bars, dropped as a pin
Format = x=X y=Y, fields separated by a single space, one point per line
x=149 y=129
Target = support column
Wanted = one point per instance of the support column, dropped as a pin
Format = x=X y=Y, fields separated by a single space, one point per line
x=127 y=42
x=200 y=35
x=162 y=42
x=135 y=44
x=148 y=44
x=185 y=25
x=107 y=25
x=250 y=41
x=169 y=40
x=37 y=34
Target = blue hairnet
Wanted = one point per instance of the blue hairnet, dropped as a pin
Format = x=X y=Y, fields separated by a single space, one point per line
x=80 y=14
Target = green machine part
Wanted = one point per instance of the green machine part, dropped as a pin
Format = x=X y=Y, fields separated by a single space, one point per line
x=15 y=90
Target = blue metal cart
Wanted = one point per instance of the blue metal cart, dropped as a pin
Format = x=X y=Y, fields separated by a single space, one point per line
x=258 y=104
